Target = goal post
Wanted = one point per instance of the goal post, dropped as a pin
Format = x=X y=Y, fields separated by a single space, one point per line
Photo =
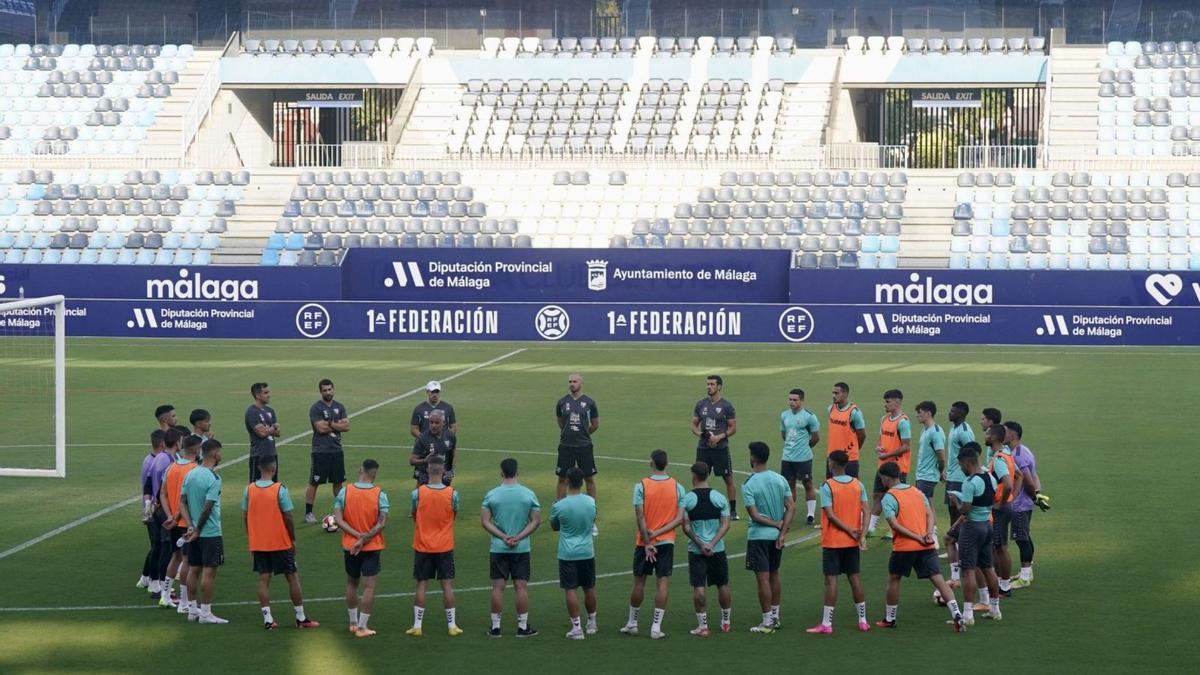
x=33 y=389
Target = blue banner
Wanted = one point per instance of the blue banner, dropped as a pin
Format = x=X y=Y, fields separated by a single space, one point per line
x=1070 y=325
x=566 y=275
x=976 y=288
x=225 y=283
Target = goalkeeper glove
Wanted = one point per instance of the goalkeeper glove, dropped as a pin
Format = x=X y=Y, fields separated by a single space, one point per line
x=1042 y=501
x=147 y=510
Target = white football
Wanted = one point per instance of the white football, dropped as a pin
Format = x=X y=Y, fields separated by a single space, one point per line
x=329 y=524
x=937 y=598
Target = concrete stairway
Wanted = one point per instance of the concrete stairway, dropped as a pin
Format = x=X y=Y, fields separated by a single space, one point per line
x=928 y=217
x=256 y=215
x=165 y=137
x=1074 y=122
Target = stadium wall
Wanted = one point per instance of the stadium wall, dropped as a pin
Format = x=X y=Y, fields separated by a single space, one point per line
x=612 y=295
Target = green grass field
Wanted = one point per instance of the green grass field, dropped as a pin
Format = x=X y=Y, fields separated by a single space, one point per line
x=1116 y=574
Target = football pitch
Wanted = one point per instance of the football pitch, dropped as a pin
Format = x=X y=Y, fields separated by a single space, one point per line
x=1116 y=587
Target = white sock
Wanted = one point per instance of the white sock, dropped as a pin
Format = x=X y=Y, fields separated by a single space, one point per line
x=418 y=616
x=952 y=605
x=994 y=605
x=299 y=610
x=143 y=580
x=874 y=522
x=592 y=619
x=363 y=618
x=889 y=612
x=450 y=617
x=575 y=624
x=702 y=619
x=1026 y=573
x=774 y=613
x=861 y=608
x=194 y=608
x=353 y=616
x=658 y=617
x=766 y=618
x=726 y=615
x=955 y=572
x=495 y=621
x=812 y=507
x=968 y=610
x=165 y=586
x=827 y=616
x=633 y=615
x=155 y=586
x=205 y=610
x=1005 y=585
x=183 y=594
x=984 y=596
x=266 y=612
x=523 y=620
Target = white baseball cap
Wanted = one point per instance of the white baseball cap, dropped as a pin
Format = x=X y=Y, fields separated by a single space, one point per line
x=433 y=385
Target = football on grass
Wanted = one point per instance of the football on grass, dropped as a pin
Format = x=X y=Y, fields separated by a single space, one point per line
x=329 y=523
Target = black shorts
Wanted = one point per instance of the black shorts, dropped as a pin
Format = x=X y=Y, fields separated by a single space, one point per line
x=952 y=486
x=663 y=565
x=708 y=570
x=365 y=564
x=1001 y=522
x=327 y=467
x=851 y=470
x=925 y=562
x=839 y=561
x=254 y=475
x=582 y=456
x=513 y=566
x=206 y=552
x=762 y=555
x=975 y=545
x=274 y=562
x=161 y=528
x=428 y=566
x=927 y=487
x=577 y=574
x=801 y=471
x=717 y=460
x=880 y=489
x=176 y=533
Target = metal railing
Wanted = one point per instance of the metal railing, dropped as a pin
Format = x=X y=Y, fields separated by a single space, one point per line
x=1086 y=159
x=865 y=156
x=202 y=102
x=353 y=155
x=833 y=156
x=998 y=156
x=68 y=161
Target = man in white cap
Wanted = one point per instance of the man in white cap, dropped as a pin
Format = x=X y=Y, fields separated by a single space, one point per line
x=419 y=423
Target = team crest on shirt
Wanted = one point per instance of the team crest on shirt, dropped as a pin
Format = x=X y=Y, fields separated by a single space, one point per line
x=718 y=411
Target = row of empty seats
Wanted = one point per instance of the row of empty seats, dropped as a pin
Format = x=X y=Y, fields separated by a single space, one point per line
x=1134 y=48
x=627 y=47
x=857 y=44
x=105 y=257
x=387 y=47
x=1149 y=100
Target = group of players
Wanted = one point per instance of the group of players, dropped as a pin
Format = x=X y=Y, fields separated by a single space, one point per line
x=991 y=490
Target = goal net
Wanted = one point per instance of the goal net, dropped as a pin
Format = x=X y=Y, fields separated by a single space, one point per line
x=33 y=440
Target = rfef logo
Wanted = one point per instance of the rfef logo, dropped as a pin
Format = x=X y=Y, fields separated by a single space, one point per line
x=552 y=322
x=312 y=320
x=3 y=288
x=405 y=274
x=796 y=324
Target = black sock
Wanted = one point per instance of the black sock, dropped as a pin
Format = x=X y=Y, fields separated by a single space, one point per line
x=307 y=509
x=733 y=506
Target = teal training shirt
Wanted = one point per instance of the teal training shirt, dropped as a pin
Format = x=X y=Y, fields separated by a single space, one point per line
x=706 y=530
x=798 y=428
x=766 y=491
x=932 y=440
x=574 y=516
x=960 y=435
x=512 y=507
x=201 y=485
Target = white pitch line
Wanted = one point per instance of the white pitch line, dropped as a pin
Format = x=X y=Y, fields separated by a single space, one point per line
x=339 y=598
x=290 y=439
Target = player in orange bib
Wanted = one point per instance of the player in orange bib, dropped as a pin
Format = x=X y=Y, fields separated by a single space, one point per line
x=895 y=444
x=361 y=510
x=912 y=521
x=658 y=510
x=271 y=534
x=847 y=430
x=170 y=495
x=843 y=521
x=434 y=507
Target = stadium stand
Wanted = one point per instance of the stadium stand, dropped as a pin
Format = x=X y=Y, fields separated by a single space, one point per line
x=1096 y=221
x=134 y=217
x=84 y=99
x=1149 y=99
